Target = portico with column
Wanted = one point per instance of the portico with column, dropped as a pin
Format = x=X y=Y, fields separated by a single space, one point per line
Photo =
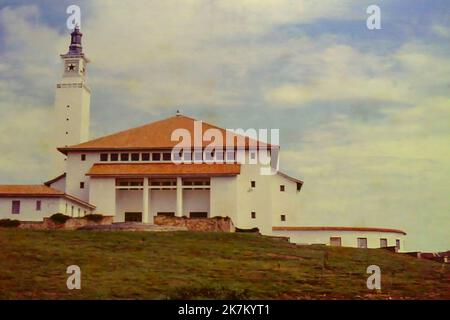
x=149 y=196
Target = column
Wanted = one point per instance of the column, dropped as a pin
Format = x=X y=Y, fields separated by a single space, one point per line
x=145 y=211
x=179 y=212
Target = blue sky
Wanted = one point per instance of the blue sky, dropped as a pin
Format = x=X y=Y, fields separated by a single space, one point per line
x=363 y=115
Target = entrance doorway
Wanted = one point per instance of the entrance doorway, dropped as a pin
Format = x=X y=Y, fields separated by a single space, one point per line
x=133 y=216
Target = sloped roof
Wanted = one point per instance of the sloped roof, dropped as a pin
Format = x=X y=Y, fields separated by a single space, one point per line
x=157 y=135
x=36 y=190
x=163 y=169
x=30 y=190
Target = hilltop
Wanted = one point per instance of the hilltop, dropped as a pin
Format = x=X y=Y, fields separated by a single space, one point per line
x=195 y=265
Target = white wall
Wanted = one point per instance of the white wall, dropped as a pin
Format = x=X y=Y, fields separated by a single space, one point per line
x=162 y=201
x=196 y=200
x=223 y=197
x=256 y=199
x=102 y=194
x=285 y=202
x=266 y=200
x=348 y=238
x=49 y=206
x=76 y=173
x=127 y=201
x=28 y=210
x=59 y=184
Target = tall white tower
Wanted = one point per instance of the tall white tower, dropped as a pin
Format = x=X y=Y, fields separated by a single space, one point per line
x=72 y=100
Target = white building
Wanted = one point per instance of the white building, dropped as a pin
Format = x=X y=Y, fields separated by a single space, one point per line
x=137 y=174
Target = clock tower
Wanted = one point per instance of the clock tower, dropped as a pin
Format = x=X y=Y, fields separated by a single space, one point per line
x=72 y=99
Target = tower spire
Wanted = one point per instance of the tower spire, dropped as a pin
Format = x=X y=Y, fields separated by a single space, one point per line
x=75 y=42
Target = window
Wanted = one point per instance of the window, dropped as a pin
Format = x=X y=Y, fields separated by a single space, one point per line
x=362 y=242
x=71 y=212
x=133 y=216
x=135 y=157
x=114 y=157
x=383 y=243
x=253 y=215
x=282 y=188
x=103 y=157
x=283 y=217
x=124 y=156
x=219 y=156
x=38 y=205
x=156 y=156
x=66 y=209
x=146 y=157
x=230 y=155
x=81 y=185
x=253 y=184
x=299 y=186
x=397 y=244
x=335 y=241
x=198 y=156
x=79 y=212
x=167 y=156
x=253 y=155
x=83 y=157
x=15 y=207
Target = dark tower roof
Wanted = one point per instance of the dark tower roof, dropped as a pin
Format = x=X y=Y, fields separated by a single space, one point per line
x=75 y=42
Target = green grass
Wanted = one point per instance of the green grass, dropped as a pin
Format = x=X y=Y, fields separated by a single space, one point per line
x=188 y=265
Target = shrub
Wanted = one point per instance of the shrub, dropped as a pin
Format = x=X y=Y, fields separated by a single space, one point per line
x=59 y=218
x=94 y=217
x=8 y=223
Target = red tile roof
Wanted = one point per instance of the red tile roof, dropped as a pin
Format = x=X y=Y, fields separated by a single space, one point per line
x=29 y=190
x=164 y=169
x=157 y=135
x=337 y=229
x=37 y=191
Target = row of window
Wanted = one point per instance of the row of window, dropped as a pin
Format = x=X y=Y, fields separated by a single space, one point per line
x=362 y=242
x=282 y=217
x=15 y=208
x=167 y=156
x=72 y=211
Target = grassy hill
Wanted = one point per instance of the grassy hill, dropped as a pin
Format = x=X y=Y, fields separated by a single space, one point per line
x=177 y=265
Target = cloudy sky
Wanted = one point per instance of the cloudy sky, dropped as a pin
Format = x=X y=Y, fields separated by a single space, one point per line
x=364 y=116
